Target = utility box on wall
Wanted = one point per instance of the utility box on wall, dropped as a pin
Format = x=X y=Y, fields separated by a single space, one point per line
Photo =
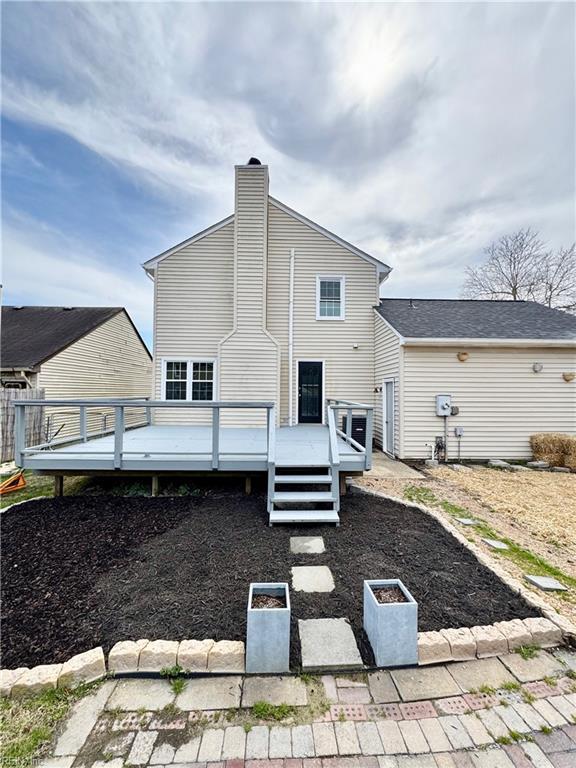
x=443 y=405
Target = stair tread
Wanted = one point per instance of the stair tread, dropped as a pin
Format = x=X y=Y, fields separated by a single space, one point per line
x=302 y=496
x=304 y=516
x=302 y=479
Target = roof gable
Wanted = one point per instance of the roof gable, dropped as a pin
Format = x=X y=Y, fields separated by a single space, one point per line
x=32 y=335
x=383 y=269
x=428 y=319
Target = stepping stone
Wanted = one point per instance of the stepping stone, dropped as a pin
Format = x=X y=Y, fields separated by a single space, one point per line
x=211 y=693
x=307 y=545
x=537 y=464
x=131 y=695
x=495 y=544
x=274 y=690
x=312 y=578
x=528 y=670
x=546 y=583
x=382 y=688
x=328 y=644
x=418 y=683
x=472 y=675
x=465 y=520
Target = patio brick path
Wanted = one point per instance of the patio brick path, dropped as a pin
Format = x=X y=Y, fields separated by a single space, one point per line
x=471 y=730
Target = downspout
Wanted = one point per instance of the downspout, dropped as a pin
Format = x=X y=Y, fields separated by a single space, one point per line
x=291 y=340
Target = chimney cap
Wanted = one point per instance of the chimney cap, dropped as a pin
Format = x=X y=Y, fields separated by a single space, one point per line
x=253 y=161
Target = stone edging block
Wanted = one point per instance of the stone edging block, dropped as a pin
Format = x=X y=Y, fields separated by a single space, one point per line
x=481 y=642
x=125 y=656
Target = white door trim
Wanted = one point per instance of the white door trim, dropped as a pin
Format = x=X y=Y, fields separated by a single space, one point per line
x=389 y=449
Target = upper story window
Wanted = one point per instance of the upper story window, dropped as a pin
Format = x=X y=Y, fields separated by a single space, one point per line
x=330 y=297
x=188 y=380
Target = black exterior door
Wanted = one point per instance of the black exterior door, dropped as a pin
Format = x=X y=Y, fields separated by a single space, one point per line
x=310 y=393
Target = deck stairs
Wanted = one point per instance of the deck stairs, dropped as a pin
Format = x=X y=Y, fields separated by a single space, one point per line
x=304 y=495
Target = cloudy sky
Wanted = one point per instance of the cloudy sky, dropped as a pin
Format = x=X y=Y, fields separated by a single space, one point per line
x=420 y=132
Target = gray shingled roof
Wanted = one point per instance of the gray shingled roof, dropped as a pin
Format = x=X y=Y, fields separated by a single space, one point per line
x=31 y=335
x=474 y=319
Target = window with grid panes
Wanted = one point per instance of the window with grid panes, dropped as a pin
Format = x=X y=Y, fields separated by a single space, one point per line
x=330 y=298
x=176 y=380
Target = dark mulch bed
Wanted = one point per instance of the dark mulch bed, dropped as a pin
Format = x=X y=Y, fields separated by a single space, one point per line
x=84 y=571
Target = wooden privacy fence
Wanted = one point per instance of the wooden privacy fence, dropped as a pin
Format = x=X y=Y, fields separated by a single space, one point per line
x=34 y=420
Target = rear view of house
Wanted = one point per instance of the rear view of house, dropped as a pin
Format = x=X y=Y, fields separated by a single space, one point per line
x=472 y=378
x=264 y=305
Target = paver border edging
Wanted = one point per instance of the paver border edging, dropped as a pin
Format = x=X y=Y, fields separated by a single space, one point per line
x=567 y=629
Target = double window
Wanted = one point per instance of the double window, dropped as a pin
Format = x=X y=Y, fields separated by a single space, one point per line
x=189 y=379
x=330 y=297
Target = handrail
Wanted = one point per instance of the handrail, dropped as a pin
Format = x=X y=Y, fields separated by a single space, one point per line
x=143 y=403
x=120 y=405
x=349 y=403
x=335 y=405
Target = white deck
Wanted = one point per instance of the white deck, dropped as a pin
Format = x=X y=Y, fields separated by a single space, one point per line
x=189 y=448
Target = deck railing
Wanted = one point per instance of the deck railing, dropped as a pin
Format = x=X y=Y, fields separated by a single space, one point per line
x=119 y=406
x=334 y=407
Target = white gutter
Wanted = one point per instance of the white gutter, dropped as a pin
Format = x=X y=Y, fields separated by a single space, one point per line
x=413 y=341
x=291 y=339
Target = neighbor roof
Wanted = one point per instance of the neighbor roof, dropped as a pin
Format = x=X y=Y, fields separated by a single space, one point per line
x=31 y=335
x=476 y=319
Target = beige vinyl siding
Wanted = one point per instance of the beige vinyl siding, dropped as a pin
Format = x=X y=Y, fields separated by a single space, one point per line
x=501 y=400
x=194 y=309
x=249 y=356
x=387 y=356
x=110 y=361
x=348 y=372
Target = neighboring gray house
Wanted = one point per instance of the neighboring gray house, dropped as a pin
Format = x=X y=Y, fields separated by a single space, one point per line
x=508 y=367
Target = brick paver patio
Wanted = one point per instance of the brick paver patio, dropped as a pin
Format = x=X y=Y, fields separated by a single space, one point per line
x=524 y=725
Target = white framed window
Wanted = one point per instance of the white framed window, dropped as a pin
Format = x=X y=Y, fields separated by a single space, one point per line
x=188 y=379
x=330 y=297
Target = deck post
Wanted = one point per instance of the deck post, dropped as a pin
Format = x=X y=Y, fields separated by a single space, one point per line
x=155 y=485
x=58 y=485
x=215 y=437
x=369 y=437
x=19 y=433
x=343 y=486
x=248 y=485
x=148 y=416
x=83 y=424
x=118 y=435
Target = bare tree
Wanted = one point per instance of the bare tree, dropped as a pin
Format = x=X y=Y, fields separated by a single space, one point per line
x=519 y=267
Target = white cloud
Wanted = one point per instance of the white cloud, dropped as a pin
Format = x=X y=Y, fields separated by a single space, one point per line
x=419 y=131
x=45 y=267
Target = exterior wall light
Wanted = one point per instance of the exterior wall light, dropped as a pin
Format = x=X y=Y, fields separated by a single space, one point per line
x=569 y=376
x=537 y=367
x=354 y=346
x=463 y=356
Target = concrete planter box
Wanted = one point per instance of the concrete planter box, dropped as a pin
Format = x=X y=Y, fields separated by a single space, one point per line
x=392 y=628
x=268 y=631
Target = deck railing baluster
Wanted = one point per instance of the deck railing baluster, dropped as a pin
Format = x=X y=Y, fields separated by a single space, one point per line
x=118 y=435
x=19 y=431
x=215 y=437
x=83 y=424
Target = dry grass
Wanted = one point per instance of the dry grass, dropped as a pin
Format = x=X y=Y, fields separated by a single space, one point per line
x=543 y=503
